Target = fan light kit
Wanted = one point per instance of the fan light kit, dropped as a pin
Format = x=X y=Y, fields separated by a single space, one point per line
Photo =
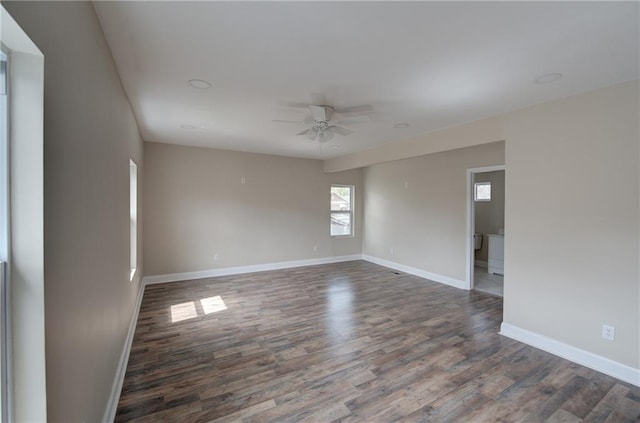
x=322 y=128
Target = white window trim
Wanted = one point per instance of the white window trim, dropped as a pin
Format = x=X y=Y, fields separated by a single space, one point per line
x=352 y=190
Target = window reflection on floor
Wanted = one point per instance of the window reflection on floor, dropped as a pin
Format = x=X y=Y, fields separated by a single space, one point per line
x=212 y=304
x=183 y=311
x=339 y=307
x=192 y=309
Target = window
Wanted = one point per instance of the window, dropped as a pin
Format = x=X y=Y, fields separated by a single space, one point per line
x=24 y=83
x=482 y=191
x=4 y=162
x=4 y=235
x=133 y=217
x=341 y=210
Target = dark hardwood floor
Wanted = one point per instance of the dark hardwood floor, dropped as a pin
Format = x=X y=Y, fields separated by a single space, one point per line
x=348 y=342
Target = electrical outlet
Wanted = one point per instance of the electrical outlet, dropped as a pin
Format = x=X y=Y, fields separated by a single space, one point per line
x=243 y=180
x=215 y=257
x=608 y=332
x=406 y=184
x=392 y=251
x=315 y=248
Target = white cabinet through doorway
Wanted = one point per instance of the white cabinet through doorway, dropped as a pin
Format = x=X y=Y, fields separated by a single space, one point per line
x=496 y=254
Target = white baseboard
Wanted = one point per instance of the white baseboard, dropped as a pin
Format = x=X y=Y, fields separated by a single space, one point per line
x=112 y=404
x=481 y=263
x=226 y=271
x=417 y=272
x=593 y=361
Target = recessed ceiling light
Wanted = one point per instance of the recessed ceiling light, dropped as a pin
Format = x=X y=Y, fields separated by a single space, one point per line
x=401 y=125
x=190 y=127
x=334 y=147
x=200 y=84
x=548 y=78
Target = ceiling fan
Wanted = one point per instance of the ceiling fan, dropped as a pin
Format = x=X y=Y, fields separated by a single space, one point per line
x=322 y=127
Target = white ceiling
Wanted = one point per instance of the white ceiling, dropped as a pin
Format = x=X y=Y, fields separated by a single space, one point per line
x=432 y=65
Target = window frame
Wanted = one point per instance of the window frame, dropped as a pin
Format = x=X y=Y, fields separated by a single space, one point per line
x=475 y=192
x=5 y=240
x=25 y=308
x=349 y=212
x=133 y=219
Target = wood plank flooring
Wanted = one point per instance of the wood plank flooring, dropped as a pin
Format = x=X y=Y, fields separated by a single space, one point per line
x=347 y=342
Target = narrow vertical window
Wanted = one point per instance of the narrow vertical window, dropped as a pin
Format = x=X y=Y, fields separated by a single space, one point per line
x=133 y=217
x=341 y=210
x=4 y=235
x=4 y=161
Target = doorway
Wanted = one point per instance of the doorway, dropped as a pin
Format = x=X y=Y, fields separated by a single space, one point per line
x=485 y=212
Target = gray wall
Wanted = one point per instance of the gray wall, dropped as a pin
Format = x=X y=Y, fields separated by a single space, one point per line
x=196 y=207
x=572 y=232
x=90 y=134
x=489 y=214
x=571 y=250
x=424 y=221
x=572 y=221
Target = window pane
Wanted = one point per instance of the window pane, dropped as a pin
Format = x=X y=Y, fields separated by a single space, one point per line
x=483 y=191
x=133 y=214
x=4 y=235
x=340 y=198
x=4 y=162
x=340 y=224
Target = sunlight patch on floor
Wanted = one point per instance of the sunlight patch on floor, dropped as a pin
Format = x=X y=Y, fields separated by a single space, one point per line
x=192 y=309
x=212 y=304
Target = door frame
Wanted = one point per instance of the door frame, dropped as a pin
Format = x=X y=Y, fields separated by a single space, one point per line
x=471 y=217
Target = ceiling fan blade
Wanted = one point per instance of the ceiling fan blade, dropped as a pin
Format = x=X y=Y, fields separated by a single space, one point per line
x=353 y=120
x=365 y=108
x=340 y=130
x=303 y=132
x=311 y=133
x=287 y=121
